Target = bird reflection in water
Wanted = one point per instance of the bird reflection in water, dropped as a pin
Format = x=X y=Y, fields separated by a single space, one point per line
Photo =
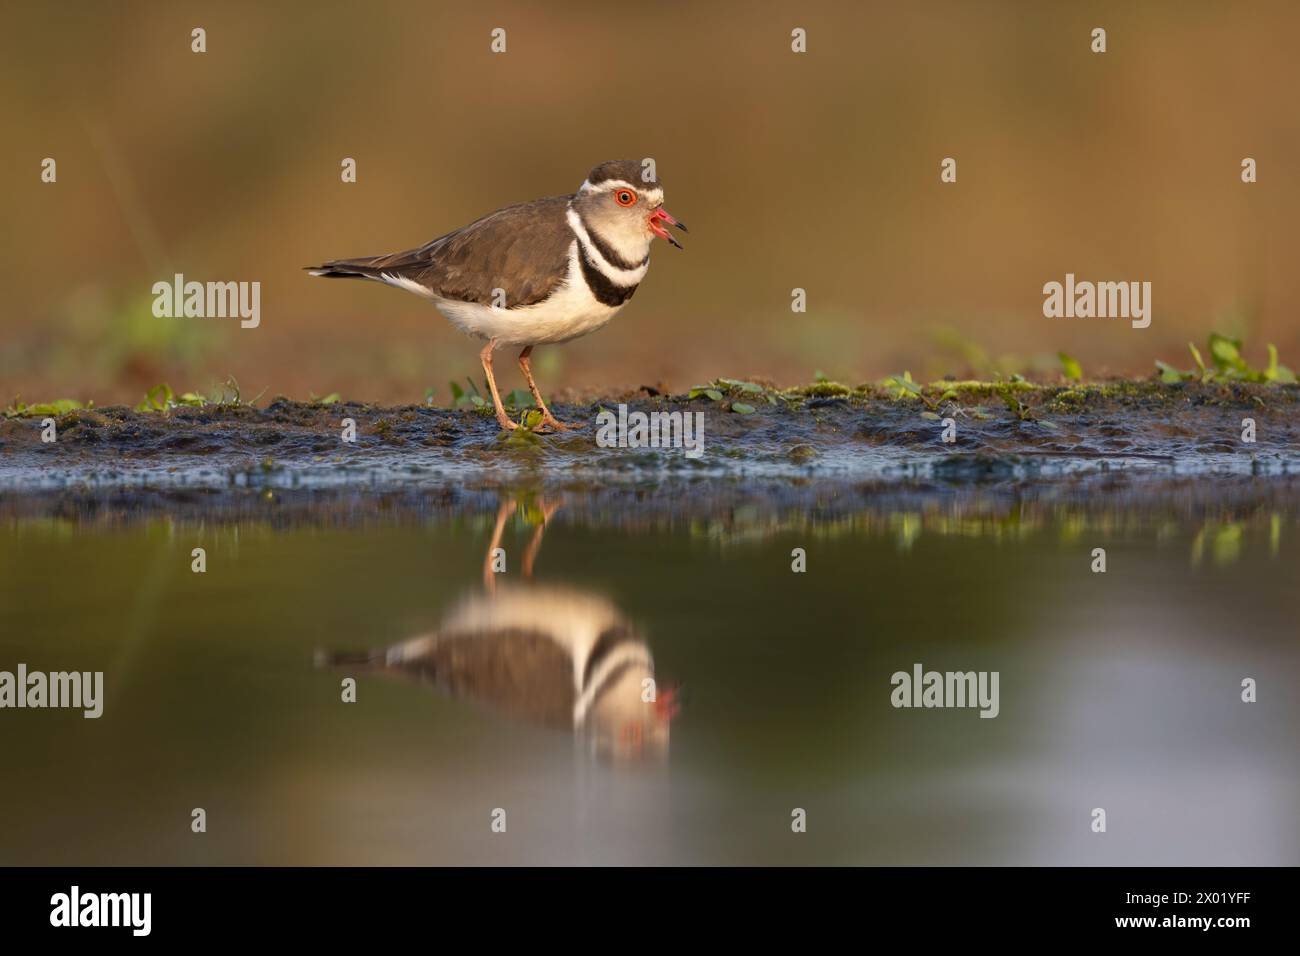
x=555 y=656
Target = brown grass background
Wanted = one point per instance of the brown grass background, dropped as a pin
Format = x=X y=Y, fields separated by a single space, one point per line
x=819 y=171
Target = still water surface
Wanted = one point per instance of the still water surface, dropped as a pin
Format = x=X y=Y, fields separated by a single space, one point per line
x=522 y=690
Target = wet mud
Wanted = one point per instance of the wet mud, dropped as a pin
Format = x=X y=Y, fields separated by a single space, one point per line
x=823 y=449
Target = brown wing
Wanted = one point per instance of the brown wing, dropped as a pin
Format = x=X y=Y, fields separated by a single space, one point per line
x=521 y=249
x=525 y=674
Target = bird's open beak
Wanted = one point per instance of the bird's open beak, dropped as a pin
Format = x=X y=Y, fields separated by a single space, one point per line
x=667 y=704
x=658 y=217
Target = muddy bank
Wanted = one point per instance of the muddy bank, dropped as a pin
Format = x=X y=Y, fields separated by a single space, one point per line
x=823 y=434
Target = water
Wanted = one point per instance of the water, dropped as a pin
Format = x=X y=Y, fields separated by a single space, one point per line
x=223 y=689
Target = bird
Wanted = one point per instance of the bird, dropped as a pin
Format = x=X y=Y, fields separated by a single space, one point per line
x=551 y=655
x=535 y=273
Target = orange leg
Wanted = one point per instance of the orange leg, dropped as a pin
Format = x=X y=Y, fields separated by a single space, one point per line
x=486 y=358
x=504 y=511
x=525 y=363
x=535 y=545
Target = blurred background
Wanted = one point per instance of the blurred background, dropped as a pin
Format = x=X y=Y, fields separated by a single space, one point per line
x=818 y=171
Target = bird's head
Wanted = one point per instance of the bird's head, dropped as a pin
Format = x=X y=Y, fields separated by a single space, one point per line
x=627 y=724
x=623 y=203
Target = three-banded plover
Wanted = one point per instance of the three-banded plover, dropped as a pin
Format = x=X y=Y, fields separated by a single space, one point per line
x=536 y=273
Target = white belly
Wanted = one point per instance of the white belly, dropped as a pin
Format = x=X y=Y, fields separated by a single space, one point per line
x=570 y=311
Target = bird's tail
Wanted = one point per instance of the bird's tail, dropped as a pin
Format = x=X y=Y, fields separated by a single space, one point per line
x=363 y=660
x=364 y=268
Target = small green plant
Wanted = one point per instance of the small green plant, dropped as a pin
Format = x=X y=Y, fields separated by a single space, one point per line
x=1020 y=409
x=708 y=391
x=719 y=388
x=1015 y=405
x=461 y=398
x=1226 y=365
x=517 y=398
x=1070 y=367
x=157 y=399
x=819 y=388
x=161 y=398
x=749 y=388
x=471 y=397
x=60 y=406
x=902 y=386
x=227 y=393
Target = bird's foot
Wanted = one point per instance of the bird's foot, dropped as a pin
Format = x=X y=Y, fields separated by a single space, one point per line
x=504 y=421
x=551 y=423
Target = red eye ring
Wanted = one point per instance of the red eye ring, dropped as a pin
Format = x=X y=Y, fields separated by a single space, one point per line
x=625 y=197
